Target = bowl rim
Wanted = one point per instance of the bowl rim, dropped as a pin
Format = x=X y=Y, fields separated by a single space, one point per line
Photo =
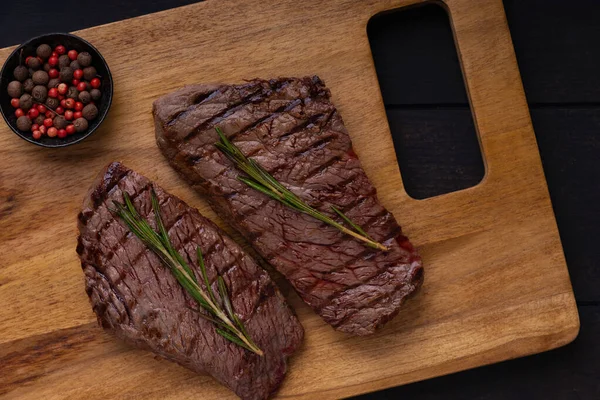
x=109 y=94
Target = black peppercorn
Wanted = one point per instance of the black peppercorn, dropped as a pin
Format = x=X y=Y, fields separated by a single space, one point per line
x=89 y=73
x=40 y=78
x=44 y=51
x=81 y=124
x=73 y=93
x=60 y=122
x=96 y=94
x=75 y=65
x=26 y=102
x=15 y=89
x=39 y=119
x=63 y=61
x=52 y=102
x=28 y=85
x=90 y=112
x=53 y=83
x=21 y=73
x=34 y=63
x=39 y=93
x=47 y=67
x=66 y=74
x=84 y=59
x=24 y=123
x=85 y=97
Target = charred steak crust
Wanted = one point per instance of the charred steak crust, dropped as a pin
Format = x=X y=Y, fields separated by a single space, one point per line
x=138 y=299
x=290 y=126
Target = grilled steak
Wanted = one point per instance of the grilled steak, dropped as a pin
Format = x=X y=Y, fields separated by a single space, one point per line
x=292 y=129
x=137 y=298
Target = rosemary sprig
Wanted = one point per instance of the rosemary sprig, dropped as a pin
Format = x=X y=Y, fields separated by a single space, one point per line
x=227 y=322
x=259 y=179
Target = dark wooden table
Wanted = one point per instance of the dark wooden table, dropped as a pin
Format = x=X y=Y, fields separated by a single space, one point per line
x=558 y=47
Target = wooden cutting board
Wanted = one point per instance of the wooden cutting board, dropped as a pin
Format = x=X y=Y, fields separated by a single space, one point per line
x=496 y=284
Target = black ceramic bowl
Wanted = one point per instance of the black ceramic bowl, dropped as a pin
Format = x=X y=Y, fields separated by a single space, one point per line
x=70 y=42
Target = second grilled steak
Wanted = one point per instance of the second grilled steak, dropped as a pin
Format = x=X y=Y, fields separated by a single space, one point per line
x=136 y=297
x=292 y=129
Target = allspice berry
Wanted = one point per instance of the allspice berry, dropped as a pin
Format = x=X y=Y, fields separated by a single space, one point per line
x=34 y=63
x=96 y=94
x=40 y=78
x=89 y=73
x=73 y=93
x=60 y=122
x=21 y=73
x=52 y=83
x=66 y=74
x=63 y=61
x=39 y=119
x=85 y=97
x=81 y=124
x=75 y=65
x=44 y=51
x=52 y=102
x=24 y=123
x=28 y=85
x=39 y=94
x=26 y=102
x=15 y=89
x=90 y=112
x=84 y=59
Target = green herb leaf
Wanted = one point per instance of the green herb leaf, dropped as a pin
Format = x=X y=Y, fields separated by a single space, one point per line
x=225 y=297
x=233 y=338
x=349 y=222
x=204 y=274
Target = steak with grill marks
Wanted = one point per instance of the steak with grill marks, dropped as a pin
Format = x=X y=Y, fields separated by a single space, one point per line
x=138 y=298
x=292 y=129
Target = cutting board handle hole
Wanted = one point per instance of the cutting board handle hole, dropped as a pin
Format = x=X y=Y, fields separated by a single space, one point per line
x=426 y=102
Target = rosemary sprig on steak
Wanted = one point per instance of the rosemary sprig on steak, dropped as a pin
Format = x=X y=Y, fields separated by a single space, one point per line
x=258 y=178
x=227 y=323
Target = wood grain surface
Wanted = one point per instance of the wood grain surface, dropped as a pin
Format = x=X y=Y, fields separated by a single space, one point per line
x=496 y=284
